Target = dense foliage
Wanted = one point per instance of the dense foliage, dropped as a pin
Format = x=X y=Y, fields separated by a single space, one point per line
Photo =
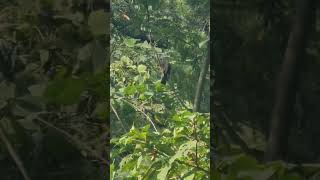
x=155 y=134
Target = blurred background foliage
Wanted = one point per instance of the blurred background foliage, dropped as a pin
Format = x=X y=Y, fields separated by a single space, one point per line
x=250 y=38
x=54 y=89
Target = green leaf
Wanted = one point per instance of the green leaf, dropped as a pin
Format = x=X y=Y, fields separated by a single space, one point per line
x=163 y=173
x=64 y=91
x=142 y=88
x=125 y=59
x=139 y=161
x=149 y=94
x=112 y=172
x=130 y=90
x=159 y=87
x=142 y=68
x=190 y=177
x=130 y=42
x=180 y=153
x=37 y=89
x=44 y=56
x=158 y=50
x=203 y=43
x=7 y=90
x=99 y=22
x=127 y=163
x=145 y=45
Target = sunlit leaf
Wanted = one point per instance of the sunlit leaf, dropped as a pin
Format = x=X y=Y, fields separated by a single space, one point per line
x=130 y=42
x=142 y=68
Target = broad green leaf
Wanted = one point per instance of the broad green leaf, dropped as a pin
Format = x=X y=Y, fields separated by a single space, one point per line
x=128 y=163
x=203 y=43
x=130 y=90
x=158 y=50
x=140 y=159
x=163 y=173
x=149 y=94
x=190 y=177
x=180 y=153
x=142 y=88
x=142 y=68
x=145 y=45
x=125 y=59
x=130 y=42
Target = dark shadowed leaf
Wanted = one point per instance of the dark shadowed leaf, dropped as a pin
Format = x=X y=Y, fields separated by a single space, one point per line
x=64 y=91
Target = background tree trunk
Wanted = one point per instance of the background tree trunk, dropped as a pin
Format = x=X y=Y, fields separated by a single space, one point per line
x=287 y=83
x=202 y=76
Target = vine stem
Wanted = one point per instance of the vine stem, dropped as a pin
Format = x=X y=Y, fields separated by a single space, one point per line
x=121 y=122
x=138 y=109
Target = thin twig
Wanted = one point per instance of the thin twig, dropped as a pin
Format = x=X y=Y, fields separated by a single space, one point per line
x=40 y=33
x=138 y=109
x=175 y=93
x=74 y=141
x=121 y=122
x=14 y=154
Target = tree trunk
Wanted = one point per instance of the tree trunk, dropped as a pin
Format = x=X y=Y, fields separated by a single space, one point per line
x=202 y=76
x=287 y=83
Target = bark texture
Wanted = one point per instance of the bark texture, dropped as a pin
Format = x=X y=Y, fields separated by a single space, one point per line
x=202 y=76
x=287 y=82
